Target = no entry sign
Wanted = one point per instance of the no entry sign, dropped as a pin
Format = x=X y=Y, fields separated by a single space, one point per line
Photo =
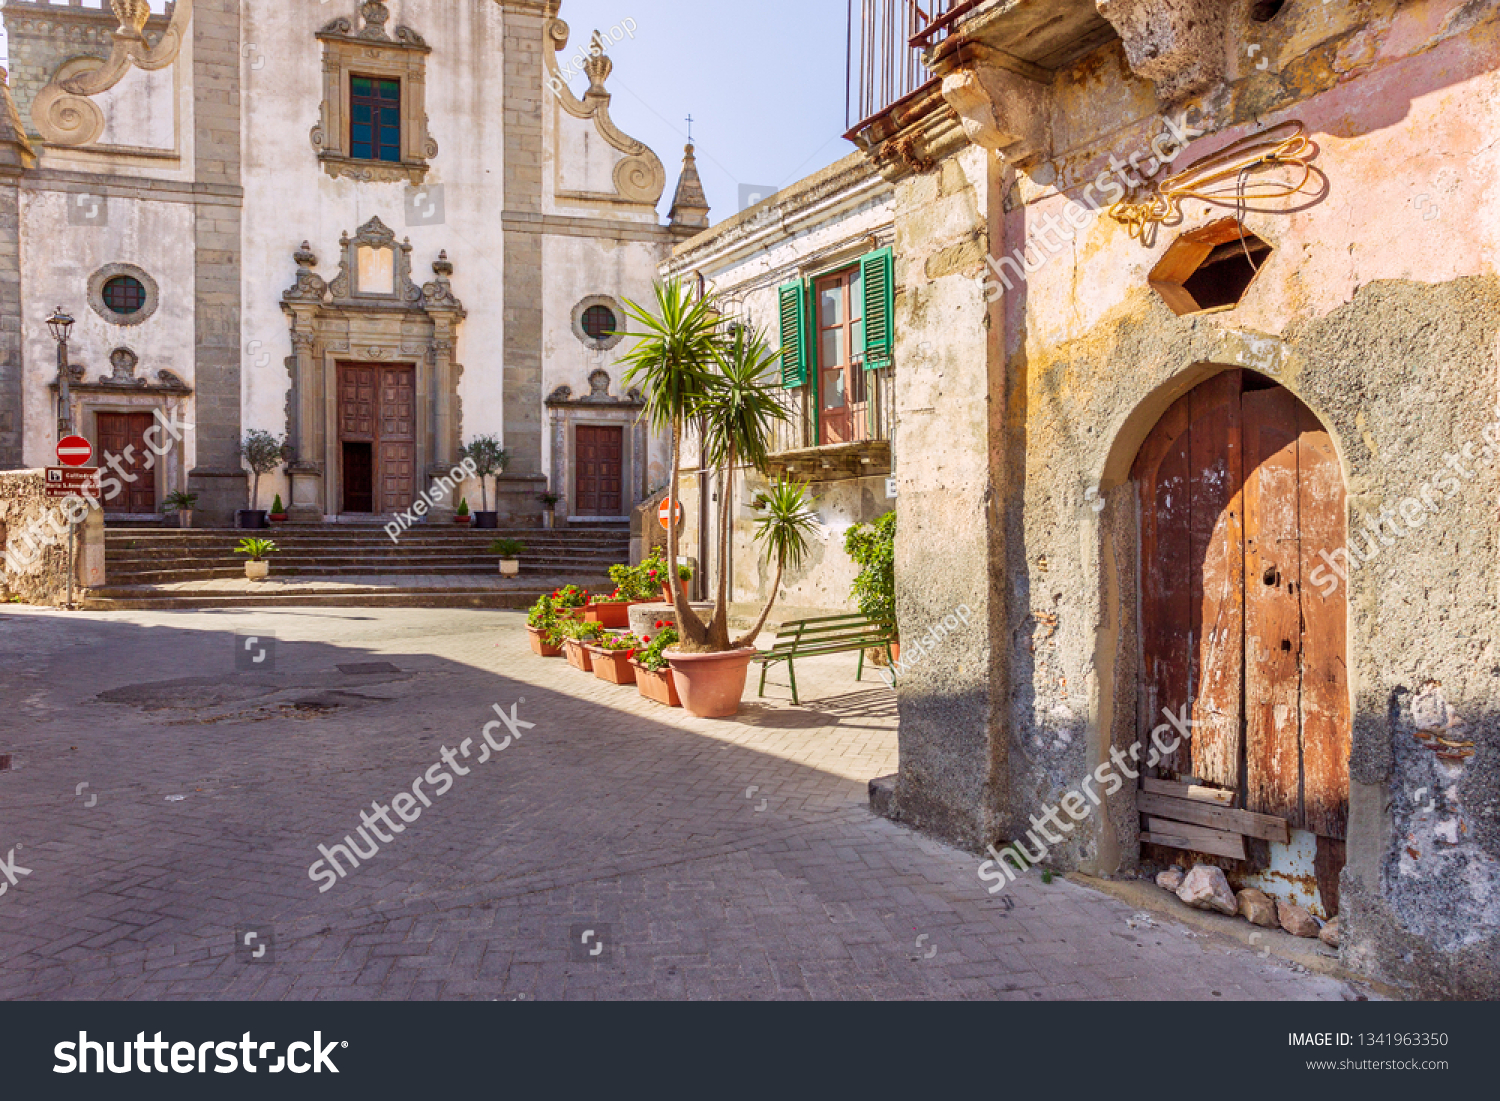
x=74 y=451
x=665 y=511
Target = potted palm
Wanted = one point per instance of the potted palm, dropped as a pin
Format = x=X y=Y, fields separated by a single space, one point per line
x=691 y=368
x=549 y=508
x=541 y=625
x=489 y=459
x=256 y=567
x=182 y=504
x=510 y=551
x=262 y=453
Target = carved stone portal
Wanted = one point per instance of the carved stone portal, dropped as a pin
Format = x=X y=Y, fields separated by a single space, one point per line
x=371 y=312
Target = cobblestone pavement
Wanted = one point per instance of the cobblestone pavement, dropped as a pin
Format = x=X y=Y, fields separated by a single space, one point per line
x=168 y=806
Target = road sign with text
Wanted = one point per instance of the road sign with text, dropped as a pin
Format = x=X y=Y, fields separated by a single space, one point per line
x=72 y=481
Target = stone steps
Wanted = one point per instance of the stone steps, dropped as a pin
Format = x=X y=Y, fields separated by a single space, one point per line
x=351 y=565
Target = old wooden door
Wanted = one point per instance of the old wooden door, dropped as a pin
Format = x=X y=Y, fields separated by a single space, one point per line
x=1240 y=489
x=123 y=434
x=599 y=479
x=397 y=461
x=377 y=437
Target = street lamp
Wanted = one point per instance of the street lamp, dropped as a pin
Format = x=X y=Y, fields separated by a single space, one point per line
x=60 y=325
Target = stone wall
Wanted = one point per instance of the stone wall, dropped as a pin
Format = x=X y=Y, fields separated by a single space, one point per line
x=34 y=541
x=1379 y=307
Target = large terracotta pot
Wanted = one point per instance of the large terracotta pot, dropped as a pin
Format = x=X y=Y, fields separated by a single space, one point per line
x=711 y=685
x=613 y=615
x=578 y=655
x=660 y=686
x=540 y=646
x=612 y=665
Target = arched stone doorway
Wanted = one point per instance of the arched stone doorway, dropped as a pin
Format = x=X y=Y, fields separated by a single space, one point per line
x=1243 y=640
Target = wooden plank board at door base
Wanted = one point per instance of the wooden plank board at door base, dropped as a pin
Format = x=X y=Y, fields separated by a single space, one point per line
x=1176 y=835
x=1227 y=819
x=1197 y=792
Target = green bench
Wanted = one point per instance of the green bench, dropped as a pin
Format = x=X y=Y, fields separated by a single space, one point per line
x=834 y=634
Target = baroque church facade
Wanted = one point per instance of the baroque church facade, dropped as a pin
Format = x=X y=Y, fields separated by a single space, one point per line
x=377 y=233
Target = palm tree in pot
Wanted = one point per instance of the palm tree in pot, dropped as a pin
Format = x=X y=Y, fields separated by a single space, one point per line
x=689 y=367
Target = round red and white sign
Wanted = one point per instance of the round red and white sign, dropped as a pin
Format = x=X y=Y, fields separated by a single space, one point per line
x=74 y=451
x=665 y=510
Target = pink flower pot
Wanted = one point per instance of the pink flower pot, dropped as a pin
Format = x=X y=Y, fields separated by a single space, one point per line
x=711 y=685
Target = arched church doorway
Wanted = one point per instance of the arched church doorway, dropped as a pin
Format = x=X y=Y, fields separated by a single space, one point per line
x=1240 y=488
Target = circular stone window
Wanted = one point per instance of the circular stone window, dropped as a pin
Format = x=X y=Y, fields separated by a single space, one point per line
x=122 y=294
x=596 y=322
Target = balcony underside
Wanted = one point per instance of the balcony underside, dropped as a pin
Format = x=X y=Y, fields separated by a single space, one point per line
x=831 y=462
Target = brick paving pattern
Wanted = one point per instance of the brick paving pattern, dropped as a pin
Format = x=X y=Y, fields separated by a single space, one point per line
x=711 y=859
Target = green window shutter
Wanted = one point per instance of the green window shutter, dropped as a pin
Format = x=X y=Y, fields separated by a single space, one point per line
x=793 y=335
x=878 y=270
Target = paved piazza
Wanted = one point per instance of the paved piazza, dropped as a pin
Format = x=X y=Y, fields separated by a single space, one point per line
x=168 y=806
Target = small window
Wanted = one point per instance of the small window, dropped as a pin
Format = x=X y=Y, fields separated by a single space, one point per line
x=125 y=295
x=374 y=119
x=598 y=322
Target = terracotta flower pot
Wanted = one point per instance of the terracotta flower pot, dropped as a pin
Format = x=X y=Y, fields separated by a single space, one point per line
x=612 y=665
x=711 y=685
x=658 y=685
x=578 y=655
x=666 y=593
x=462 y=519
x=540 y=646
x=895 y=651
x=612 y=615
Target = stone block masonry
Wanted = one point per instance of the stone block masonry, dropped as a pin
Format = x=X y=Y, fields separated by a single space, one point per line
x=218 y=478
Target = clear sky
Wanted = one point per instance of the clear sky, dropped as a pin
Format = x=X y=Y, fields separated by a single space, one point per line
x=764 y=82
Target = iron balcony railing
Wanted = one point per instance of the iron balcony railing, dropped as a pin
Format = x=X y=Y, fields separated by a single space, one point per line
x=886 y=40
x=871 y=417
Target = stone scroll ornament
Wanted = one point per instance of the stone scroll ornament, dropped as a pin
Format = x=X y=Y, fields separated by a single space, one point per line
x=640 y=176
x=63 y=111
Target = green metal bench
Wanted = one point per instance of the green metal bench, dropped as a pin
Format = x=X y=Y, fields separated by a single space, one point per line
x=834 y=634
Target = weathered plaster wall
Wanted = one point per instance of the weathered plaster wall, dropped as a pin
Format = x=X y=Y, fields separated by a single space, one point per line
x=1378 y=308
x=950 y=545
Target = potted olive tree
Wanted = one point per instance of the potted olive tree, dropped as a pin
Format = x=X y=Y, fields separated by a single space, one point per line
x=691 y=368
x=262 y=453
x=489 y=459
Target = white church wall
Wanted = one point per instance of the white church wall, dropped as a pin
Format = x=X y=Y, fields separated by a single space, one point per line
x=60 y=251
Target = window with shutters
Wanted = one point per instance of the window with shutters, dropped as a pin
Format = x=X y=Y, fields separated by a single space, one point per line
x=837 y=359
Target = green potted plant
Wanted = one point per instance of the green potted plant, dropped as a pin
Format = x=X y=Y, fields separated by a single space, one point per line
x=542 y=625
x=510 y=551
x=571 y=600
x=262 y=453
x=489 y=459
x=610 y=656
x=653 y=673
x=462 y=515
x=549 y=508
x=278 y=513
x=256 y=567
x=692 y=368
x=180 y=502
x=576 y=634
x=872 y=546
